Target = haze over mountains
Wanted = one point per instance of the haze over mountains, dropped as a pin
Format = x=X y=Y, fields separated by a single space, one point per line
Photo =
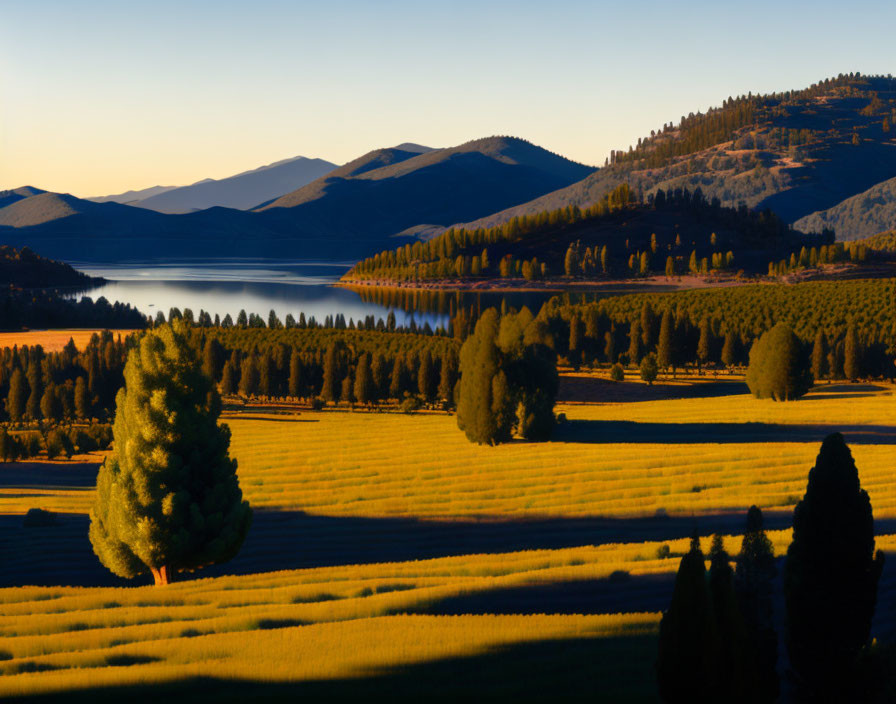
x=242 y=191
x=819 y=157
x=350 y=212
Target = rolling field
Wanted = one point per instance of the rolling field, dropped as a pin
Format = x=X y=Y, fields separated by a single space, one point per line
x=390 y=557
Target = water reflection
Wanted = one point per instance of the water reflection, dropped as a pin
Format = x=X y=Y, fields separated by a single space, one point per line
x=224 y=287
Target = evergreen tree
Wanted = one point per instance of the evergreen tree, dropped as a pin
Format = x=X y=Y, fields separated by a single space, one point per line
x=730 y=349
x=687 y=663
x=167 y=499
x=753 y=584
x=447 y=378
x=364 y=388
x=851 y=354
x=779 y=368
x=35 y=384
x=380 y=373
x=734 y=658
x=333 y=373
x=634 y=342
x=213 y=359
x=484 y=410
x=82 y=400
x=249 y=376
x=17 y=397
x=396 y=380
x=228 y=379
x=649 y=369
x=426 y=377
x=575 y=341
x=820 y=355
x=831 y=575
x=666 y=352
x=50 y=405
x=705 y=343
x=295 y=384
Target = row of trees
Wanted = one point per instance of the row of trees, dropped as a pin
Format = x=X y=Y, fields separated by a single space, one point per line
x=856 y=252
x=717 y=638
x=502 y=250
x=50 y=309
x=54 y=442
x=62 y=386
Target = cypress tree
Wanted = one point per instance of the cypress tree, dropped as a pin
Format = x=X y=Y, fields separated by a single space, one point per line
x=426 y=378
x=831 y=575
x=729 y=349
x=634 y=343
x=734 y=660
x=666 y=354
x=753 y=584
x=35 y=384
x=17 y=397
x=295 y=384
x=213 y=359
x=168 y=499
x=364 y=388
x=50 y=405
x=447 y=377
x=82 y=400
x=820 y=355
x=228 y=379
x=332 y=381
x=249 y=376
x=705 y=343
x=396 y=380
x=687 y=664
x=851 y=354
x=575 y=341
x=379 y=372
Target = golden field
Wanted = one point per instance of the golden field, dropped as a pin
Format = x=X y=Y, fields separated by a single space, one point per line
x=388 y=553
x=53 y=340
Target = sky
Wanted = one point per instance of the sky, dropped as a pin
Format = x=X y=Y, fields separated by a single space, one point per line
x=102 y=97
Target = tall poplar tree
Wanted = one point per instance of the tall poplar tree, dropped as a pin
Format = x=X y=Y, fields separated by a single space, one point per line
x=168 y=499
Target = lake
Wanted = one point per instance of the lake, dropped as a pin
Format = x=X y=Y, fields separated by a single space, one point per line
x=259 y=286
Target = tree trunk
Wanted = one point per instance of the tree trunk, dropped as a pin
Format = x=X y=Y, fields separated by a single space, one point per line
x=162 y=575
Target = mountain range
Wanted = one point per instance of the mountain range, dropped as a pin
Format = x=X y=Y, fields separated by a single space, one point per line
x=350 y=212
x=242 y=191
x=820 y=157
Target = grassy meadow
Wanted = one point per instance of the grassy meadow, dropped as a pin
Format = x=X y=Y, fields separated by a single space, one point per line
x=390 y=558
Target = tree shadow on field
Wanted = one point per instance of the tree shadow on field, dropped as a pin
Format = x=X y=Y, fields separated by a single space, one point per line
x=624 y=431
x=611 y=669
x=619 y=593
x=590 y=389
x=61 y=554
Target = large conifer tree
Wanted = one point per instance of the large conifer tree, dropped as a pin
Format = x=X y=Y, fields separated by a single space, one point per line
x=167 y=498
x=831 y=574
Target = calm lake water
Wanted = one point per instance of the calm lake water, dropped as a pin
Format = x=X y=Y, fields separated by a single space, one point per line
x=223 y=287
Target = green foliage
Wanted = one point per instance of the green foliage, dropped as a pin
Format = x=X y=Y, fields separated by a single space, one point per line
x=617 y=373
x=831 y=575
x=779 y=368
x=649 y=368
x=508 y=379
x=167 y=497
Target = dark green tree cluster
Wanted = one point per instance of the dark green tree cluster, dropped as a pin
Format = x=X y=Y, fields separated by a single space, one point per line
x=779 y=366
x=48 y=309
x=710 y=647
x=167 y=499
x=813 y=257
x=22 y=268
x=62 y=386
x=508 y=379
x=54 y=441
x=575 y=242
x=849 y=323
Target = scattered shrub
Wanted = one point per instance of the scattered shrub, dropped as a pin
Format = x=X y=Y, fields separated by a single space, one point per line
x=617 y=373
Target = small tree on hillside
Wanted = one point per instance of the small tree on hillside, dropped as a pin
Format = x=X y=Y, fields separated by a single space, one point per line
x=831 y=574
x=167 y=498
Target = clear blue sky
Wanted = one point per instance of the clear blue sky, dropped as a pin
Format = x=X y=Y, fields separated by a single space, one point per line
x=100 y=97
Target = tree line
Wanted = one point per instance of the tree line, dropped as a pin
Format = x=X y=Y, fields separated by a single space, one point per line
x=505 y=251
x=51 y=309
x=718 y=640
x=848 y=326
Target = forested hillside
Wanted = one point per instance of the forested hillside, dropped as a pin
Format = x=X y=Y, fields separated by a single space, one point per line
x=22 y=268
x=618 y=237
x=865 y=214
x=795 y=152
